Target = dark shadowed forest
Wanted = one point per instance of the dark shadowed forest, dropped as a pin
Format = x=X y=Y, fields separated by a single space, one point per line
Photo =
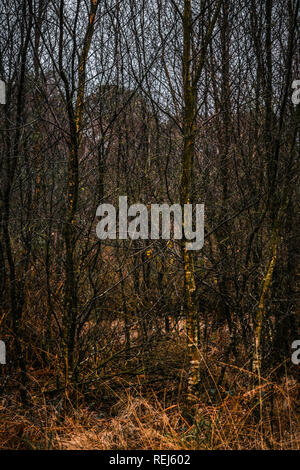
x=143 y=343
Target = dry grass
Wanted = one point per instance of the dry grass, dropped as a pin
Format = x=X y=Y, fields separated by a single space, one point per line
x=140 y=423
x=148 y=411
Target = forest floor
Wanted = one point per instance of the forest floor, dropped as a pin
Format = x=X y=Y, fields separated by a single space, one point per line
x=147 y=410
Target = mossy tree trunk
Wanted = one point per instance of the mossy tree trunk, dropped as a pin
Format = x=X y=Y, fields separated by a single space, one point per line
x=191 y=72
x=75 y=116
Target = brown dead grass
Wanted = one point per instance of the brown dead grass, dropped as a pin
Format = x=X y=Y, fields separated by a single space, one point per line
x=140 y=423
x=147 y=411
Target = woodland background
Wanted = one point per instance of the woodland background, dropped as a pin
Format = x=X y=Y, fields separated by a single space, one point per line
x=111 y=344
